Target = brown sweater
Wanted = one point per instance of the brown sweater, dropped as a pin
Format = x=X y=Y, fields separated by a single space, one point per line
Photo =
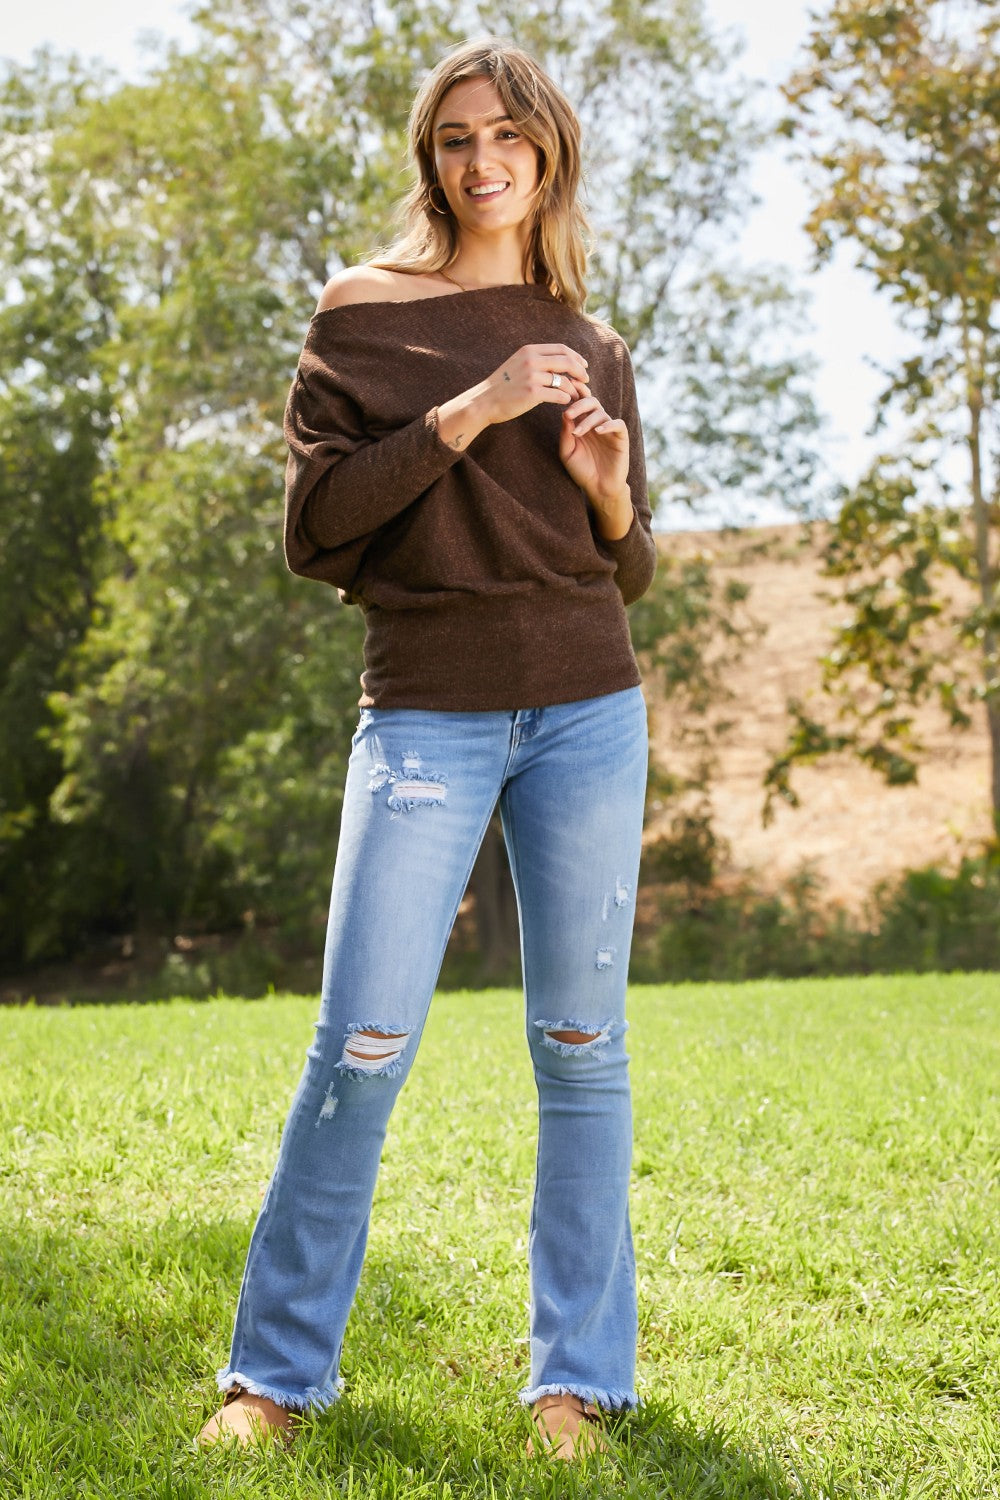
x=483 y=582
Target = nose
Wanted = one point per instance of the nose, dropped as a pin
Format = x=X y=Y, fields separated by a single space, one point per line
x=480 y=156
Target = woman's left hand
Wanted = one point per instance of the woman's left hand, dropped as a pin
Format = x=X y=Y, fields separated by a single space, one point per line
x=594 y=449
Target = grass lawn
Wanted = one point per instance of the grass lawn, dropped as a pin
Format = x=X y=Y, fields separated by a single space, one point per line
x=815 y=1213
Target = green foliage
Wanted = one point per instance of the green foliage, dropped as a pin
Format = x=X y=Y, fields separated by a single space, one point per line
x=191 y=658
x=712 y=927
x=688 y=627
x=932 y=920
x=174 y=709
x=688 y=856
x=898 y=109
x=813 y=1209
x=54 y=419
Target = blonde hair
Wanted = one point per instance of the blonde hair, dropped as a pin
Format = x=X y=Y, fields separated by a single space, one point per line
x=556 y=250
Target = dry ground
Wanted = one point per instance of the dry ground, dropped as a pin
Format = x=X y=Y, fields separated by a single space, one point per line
x=851 y=828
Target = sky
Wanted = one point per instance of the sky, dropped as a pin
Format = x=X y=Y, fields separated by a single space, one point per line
x=851 y=327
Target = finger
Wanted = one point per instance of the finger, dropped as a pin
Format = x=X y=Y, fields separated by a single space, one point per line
x=587 y=403
x=604 y=424
x=555 y=349
x=572 y=380
x=569 y=390
x=562 y=362
x=587 y=424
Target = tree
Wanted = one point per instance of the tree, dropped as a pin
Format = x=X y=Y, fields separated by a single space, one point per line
x=54 y=419
x=151 y=284
x=899 y=110
x=195 y=717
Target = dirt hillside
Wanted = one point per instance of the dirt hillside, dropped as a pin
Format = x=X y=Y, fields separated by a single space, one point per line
x=851 y=828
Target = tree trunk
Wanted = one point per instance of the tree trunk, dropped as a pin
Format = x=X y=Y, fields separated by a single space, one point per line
x=993 y=719
x=496 y=909
x=987 y=578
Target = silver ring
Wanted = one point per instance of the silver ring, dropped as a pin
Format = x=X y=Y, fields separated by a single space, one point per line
x=556 y=379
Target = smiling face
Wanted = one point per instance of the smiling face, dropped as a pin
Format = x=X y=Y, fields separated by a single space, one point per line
x=487 y=168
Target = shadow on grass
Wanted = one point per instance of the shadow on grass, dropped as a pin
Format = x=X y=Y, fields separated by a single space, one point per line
x=658 y=1451
x=112 y=1336
x=699 y=1462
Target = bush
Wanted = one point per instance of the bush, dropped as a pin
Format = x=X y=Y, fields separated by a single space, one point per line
x=933 y=921
x=708 y=928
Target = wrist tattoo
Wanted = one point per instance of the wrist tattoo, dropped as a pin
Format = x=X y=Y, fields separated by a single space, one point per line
x=506 y=377
x=457 y=441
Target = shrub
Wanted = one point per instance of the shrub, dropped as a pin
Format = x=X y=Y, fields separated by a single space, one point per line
x=709 y=928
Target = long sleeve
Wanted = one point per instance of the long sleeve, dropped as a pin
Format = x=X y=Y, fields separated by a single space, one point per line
x=479 y=571
x=635 y=552
x=341 y=484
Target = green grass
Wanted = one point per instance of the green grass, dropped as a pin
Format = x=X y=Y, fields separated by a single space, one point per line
x=815 y=1213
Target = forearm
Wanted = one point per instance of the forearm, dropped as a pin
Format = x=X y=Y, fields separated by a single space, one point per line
x=368 y=487
x=613 y=515
x=634 y=555
x=464 y=417
x=625 y=528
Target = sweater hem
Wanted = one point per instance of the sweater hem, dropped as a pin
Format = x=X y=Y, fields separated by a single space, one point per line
x=499 y=652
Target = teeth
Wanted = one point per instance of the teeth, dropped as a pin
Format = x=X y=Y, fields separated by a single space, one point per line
x=485 y=192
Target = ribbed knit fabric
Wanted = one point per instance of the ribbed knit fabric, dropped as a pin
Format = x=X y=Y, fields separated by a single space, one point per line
x=483 y=581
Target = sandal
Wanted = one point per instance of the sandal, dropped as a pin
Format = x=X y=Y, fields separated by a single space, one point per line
x=568 y=1428
x=247 y=1419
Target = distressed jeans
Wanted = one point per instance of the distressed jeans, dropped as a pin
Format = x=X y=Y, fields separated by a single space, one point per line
x=421 y=788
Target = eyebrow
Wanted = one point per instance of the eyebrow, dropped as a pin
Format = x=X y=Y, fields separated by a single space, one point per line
x=462 y=124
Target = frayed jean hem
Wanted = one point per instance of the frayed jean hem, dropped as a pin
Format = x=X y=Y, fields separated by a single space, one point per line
x=313 y=1399
x=606 y=1400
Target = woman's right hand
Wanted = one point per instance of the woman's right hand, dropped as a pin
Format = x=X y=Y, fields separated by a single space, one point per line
x=525 y=380
x=522 y=382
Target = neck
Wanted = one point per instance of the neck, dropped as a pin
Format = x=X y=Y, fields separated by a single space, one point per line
x=478 y=264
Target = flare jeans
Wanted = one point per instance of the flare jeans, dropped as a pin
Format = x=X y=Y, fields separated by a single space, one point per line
x=421 y=788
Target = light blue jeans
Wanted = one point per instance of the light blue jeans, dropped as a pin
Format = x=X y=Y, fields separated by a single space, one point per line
x=421 y=788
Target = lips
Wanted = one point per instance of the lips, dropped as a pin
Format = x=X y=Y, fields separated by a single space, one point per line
x=498 y=189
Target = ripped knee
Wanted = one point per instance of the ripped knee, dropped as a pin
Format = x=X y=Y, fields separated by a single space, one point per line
x=372 y=1051
x=575 y=1038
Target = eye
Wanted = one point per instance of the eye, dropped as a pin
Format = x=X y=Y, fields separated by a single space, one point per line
x=460 y=140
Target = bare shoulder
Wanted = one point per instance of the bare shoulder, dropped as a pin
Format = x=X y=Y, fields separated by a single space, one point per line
x=366 y=284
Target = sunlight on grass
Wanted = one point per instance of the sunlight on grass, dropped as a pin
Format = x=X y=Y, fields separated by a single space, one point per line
x=814 y=1209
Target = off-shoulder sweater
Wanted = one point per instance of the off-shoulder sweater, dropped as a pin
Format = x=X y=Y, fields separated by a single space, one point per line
x=483 y=581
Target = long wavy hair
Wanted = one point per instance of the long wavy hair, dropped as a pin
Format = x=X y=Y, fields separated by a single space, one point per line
x=556 y=249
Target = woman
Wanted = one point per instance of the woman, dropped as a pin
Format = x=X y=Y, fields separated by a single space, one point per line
x=465 y=464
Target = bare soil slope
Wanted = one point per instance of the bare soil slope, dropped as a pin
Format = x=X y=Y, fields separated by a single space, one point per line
x=851 y=828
